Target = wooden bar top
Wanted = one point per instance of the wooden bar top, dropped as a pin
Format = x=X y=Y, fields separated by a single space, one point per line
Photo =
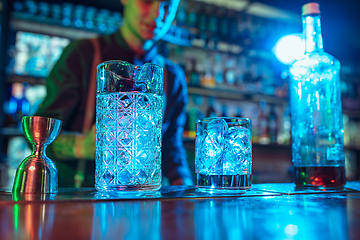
x=268 y=211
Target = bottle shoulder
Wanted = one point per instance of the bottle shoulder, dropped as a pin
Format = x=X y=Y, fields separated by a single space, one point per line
x=316 y=59
x=316 y=65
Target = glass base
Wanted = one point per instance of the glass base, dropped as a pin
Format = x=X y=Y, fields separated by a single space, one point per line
x=223 y=183
x=128 y=188
x=314 y=187
x=223 y=190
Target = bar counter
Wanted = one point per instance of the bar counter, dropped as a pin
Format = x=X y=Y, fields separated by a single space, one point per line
x=268 y=211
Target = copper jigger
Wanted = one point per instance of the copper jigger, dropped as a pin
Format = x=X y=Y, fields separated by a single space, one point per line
x=37 y=174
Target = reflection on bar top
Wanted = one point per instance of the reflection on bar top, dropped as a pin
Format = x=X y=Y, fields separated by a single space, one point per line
x=169 y=193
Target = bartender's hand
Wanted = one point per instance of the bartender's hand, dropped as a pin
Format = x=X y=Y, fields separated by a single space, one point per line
x=85 y=145
x=69 y=145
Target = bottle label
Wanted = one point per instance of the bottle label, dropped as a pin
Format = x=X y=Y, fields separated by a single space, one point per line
x=334 y=153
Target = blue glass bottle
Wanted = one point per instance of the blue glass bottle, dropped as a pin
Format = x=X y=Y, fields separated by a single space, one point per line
x=316 y=113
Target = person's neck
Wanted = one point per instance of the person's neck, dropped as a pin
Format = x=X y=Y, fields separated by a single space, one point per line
x=134 y=43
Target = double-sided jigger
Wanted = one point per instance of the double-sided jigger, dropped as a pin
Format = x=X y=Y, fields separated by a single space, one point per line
x=37 y=174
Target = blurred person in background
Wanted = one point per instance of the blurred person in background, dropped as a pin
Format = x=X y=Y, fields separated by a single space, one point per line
x=145 y=22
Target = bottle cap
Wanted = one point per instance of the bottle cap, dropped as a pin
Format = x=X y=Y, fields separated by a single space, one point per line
x=310 y=8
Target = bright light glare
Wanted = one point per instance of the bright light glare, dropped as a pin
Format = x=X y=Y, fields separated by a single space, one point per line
x=291 y=230
x=289 y=48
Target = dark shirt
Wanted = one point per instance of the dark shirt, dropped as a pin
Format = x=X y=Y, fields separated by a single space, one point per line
x=67 y=89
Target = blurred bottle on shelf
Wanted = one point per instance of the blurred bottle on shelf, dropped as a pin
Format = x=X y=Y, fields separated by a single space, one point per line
x=115 y=21
x=16 y=106
x=90 y=17
x=55 y=13
x=254 y=30
x=260 y=37
x=347 y=133
x=78 y=19
x=263 y=123
x=255 y=131
x=208 y=79
x=218 y=69
x=273 y=125
x=31 y=9
x=44 y=11
x=19 y=9
x=191 y=16
x=255 y=78
x=238 y=112
x=351 y=165
x=67 y=13
x=180 y=18
x=194 y=78
x=233 y=34
x=203 y=19
x=286 y=128
x=213 y=26
x=245 y=31
x=193 y=115
x=344 y=89
x=241 y=72
x=211 y=110
x=230 y=71
x=200 y=64
x=224 y=24
x=248 y=84
x=101 y=19
x=267 y=80
x=351 y=132
x=224 y=111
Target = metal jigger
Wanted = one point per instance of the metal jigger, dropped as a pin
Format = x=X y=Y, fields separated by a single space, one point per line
x=37 y=174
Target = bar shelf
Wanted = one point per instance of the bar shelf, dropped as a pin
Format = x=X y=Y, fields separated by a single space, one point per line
x=230 y=94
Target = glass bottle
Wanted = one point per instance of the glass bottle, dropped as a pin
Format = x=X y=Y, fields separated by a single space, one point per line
x=224 y=23
x=263 y=123
x=286 y=133
x=202 y=22
x=238 y=112
x=213 y=26
x=316 y=114
x=233 y=26
x=211 y=110
x=224 y=111
x=181 y=14
x=273 y=124
x=191 y=19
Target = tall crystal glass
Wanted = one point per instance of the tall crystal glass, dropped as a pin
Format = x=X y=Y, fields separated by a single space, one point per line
x=128 y=126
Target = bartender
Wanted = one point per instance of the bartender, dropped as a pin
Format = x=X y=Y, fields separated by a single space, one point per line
x=145 y=23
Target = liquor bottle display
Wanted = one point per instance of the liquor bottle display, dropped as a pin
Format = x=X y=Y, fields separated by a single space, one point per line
x=316 y=111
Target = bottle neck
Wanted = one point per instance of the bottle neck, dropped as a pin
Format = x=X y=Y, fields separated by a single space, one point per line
x=312 y=33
